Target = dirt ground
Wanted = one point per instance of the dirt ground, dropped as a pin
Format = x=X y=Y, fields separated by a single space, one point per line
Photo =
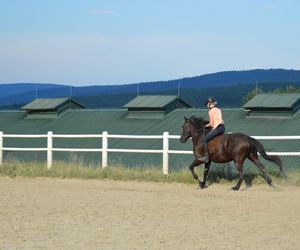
x=44 y=213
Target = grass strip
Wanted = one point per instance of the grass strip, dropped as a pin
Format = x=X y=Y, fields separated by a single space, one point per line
x=15 y=168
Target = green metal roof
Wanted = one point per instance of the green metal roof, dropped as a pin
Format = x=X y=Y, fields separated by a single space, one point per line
x=150 y=101
x=273 y=101
x=48 y=103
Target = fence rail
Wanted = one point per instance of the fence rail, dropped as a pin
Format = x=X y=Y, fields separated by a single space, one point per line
x=165 y=151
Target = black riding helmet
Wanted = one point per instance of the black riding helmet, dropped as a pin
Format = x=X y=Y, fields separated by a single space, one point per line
x=210 y=100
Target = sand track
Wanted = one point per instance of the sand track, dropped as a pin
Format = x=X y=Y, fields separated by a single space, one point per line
x=45 y=213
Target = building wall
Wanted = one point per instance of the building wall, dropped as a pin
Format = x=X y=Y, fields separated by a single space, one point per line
x=115 y=122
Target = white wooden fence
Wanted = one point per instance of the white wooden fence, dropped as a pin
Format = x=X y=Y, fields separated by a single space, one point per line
x=165 y=151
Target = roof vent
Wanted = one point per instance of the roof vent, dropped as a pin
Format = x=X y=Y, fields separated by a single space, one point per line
x=153 y=106
x=43 y=108
x=273 y=105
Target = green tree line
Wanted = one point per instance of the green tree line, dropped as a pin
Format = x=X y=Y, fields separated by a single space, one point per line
x=228 y=97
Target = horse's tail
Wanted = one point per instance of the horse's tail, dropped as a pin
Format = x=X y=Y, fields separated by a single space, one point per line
x=273 y=158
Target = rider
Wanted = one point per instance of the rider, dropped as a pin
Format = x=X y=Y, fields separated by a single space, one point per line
x=216 y=122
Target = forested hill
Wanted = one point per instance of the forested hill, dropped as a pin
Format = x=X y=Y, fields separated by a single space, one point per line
x=219 y=84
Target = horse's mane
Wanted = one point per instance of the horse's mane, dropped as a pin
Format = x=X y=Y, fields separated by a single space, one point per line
x=199 y=122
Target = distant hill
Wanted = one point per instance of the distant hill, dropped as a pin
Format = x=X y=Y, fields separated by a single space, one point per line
x=193 y=88
x=228 y=97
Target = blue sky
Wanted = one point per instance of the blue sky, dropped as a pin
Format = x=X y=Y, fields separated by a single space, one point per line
x=100 y=42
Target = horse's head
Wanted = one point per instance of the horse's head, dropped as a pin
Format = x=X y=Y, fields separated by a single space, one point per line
x=191 y=126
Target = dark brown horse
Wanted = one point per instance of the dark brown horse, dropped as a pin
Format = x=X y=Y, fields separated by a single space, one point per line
x=225 y=148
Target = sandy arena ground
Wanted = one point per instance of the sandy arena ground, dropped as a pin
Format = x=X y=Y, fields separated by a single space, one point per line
x=92 y=214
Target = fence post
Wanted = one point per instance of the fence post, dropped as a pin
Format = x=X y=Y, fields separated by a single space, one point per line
x=1 y=146
x=104 y=148
x=165 y=153
x=49 y=149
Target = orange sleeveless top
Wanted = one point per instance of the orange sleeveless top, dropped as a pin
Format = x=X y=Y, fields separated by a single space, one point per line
x=215 y=117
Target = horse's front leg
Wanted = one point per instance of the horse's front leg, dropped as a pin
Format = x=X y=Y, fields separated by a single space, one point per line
x=195 y=163
x=206 y=170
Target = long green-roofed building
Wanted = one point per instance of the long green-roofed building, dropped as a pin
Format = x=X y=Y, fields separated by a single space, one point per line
x=273 y=115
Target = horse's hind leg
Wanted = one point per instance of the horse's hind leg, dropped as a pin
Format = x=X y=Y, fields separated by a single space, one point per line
x=206 y=170
x=239 y=167
x=262 y=168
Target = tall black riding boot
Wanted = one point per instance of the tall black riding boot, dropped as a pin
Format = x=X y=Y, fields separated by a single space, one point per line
x=205 y=158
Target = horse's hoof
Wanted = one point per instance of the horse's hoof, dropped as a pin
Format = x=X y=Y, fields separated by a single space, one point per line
x=202 y=185
x=235 y=188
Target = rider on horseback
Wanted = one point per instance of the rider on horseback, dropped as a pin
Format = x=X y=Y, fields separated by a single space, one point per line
x=216 y=122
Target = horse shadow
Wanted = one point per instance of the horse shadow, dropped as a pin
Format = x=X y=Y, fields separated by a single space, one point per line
x=227 y=171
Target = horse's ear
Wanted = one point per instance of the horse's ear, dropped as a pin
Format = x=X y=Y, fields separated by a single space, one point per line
x=185 y=118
